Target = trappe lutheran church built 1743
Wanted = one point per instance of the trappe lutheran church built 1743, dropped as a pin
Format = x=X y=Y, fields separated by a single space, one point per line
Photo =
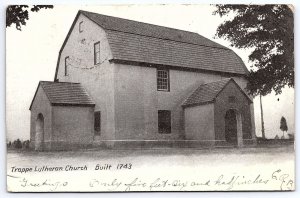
x=121 y=83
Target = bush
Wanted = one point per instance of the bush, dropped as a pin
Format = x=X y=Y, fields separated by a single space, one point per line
x=8 y=144
x=17 y=144
x=25 y=144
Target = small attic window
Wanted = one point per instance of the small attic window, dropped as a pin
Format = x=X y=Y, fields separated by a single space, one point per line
x=81 y=26
x=97 y=53
x=66 y=65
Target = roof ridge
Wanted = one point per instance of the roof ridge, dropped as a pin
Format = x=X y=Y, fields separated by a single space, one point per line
x=57 y=82
x=139 y=22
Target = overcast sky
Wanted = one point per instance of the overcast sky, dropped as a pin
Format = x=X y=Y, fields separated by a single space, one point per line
x=32 y=55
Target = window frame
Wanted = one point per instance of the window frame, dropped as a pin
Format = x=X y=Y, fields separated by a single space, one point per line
x=97 y=125
x=95 y=53
x=162 y=79
x=67 y=58
x=168 y=122
x=80 y=27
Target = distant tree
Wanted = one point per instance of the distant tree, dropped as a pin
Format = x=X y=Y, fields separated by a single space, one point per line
x=269 y=30
x=17 y=144
x=18 y=14
x=283 y=125
x=291 y=136
x=9 y=144
x=25 y=144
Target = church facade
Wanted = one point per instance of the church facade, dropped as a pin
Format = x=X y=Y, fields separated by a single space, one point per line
x=122 y=83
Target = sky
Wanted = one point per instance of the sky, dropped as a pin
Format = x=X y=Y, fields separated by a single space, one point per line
x=31 y=56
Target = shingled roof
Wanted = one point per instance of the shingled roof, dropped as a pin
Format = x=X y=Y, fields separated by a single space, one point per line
x=64 y=94
x=149 y=30
x=139 y=42
x=208 y=92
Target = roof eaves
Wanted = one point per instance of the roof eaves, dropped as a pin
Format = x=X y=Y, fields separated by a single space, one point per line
x=145 y=64
x=198 y=103
x=242 y=63
x=40 y=84
x=70 y=104
x=34 y=95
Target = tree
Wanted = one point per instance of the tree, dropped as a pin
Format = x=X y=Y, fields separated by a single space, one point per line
x=283 y=125
x=18 y=14
x=268 y=30
x=17 y=144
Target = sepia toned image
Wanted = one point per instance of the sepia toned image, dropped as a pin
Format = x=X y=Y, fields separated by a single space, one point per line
x=150 y=98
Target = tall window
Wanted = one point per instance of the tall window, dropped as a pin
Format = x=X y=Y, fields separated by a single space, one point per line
x=97 y=53
x=66 y=65
x=164 y=121
x=163 y=81
x=97 y=122
x=81 y=26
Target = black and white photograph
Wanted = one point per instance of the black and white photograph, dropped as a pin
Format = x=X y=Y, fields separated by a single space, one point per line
x=151 y=98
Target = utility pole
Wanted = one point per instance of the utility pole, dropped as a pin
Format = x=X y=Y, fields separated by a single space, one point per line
x=262 y=119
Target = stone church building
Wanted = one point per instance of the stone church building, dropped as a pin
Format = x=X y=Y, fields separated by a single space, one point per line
x=126 y=84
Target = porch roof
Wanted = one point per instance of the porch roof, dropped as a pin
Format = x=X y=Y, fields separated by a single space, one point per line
x=65 y=94
x=208 y=92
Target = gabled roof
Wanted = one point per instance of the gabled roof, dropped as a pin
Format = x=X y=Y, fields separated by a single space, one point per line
x=149 y=30
x=139 y=42
x=65 y=94
x=208 y=92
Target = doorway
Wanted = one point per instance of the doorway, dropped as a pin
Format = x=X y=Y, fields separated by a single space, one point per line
x=39 y=132
x=231 y=127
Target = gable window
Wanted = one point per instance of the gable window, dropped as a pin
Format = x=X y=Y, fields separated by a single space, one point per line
x=97 y=53
x=97 y=122
x=81 y=26
x=164 y=121
x=163 y=81
x=66 y=65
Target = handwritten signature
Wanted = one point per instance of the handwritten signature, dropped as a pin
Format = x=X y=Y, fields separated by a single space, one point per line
x=286 y=183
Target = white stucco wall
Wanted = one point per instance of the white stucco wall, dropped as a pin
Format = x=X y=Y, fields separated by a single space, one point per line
x=137 y=100
x=98 y=80
x=199 y=122
x=72 y=125
x=41 y=105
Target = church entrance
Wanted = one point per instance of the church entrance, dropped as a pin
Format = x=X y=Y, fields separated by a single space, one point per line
x=39 y=132
x=231 y=127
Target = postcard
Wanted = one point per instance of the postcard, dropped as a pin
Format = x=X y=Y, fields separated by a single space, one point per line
x=126 y=98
